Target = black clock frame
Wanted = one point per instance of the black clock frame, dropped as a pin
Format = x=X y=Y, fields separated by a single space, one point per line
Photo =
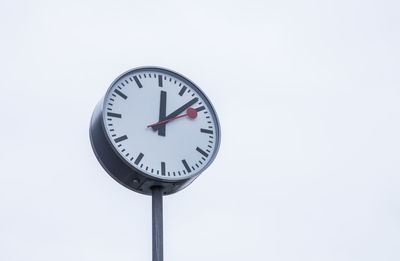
x=118 y=167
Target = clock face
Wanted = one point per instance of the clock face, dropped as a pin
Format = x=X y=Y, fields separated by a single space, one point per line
x=160 y=123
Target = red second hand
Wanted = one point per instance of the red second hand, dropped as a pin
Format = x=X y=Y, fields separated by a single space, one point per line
x=192 y=113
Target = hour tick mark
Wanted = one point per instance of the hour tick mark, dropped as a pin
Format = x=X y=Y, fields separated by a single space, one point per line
x=120 y=94
x=160 y=80
x=200 y=108
x=186 y=166
x=121 y=138
x=202 y=152
x=182 y=91
x=139 y=84
x=206 y=131
x=139 y=158
x=116 y=115
x=162 y=166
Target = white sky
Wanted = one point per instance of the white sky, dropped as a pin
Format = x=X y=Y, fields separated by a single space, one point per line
x=307 y=94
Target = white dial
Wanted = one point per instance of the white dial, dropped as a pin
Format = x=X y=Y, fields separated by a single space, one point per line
x=161 y=123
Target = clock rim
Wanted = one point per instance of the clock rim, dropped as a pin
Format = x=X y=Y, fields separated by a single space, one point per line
x=187 y=81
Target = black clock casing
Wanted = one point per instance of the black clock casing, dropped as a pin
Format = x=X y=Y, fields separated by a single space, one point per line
x=117 y=167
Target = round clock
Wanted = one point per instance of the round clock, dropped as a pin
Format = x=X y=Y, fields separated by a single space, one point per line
x=154 y=127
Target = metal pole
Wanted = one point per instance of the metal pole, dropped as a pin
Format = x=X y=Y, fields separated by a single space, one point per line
x=157 y=216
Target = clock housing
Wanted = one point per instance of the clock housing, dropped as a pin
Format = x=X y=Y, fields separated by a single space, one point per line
x=123 y=158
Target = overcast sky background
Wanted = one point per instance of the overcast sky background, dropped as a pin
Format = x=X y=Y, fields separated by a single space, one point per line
x=308 y=97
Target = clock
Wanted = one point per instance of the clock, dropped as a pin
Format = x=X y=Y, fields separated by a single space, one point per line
x=154 y=128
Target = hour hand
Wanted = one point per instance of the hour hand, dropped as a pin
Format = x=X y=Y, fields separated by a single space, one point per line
x=176 y=113
x=163 y=105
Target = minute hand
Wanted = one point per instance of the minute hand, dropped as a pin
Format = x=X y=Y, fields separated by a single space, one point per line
x=178 y=111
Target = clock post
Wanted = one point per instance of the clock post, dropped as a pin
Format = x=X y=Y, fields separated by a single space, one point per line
x=157 y=223
x=154 y=132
